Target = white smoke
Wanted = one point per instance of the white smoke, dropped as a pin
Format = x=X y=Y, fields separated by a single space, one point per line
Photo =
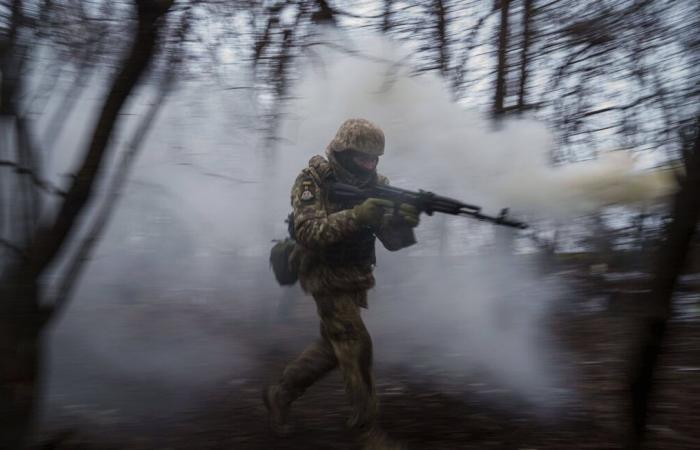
x=437 y=317
x=613 y=179
x=431 y=138
x=470 y=313
x=204 y=201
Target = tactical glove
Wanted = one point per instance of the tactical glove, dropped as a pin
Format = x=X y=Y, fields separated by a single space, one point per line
x=409 y=214
x=403 y=215
x=370 y=212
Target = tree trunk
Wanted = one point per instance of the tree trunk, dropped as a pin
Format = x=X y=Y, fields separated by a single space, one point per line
x=324 y=14
x=21 y=316
x=47 y=242
x=386 y=16
x=440 y=12
x=524 y=55
x=671 y=260
x=108 y=206
x=501 y=71
x=20 y=359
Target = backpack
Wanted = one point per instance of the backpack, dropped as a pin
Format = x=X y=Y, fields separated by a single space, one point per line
x=285 y=268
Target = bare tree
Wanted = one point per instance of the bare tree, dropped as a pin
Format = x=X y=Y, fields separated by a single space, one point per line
x=24 y=312
x=525 y=53
x=502 y=69
x=671 y=261
x=387 y=16
x=439 y=11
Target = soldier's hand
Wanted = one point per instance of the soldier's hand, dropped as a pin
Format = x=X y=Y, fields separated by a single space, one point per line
x=409 y=214
x=370 y=211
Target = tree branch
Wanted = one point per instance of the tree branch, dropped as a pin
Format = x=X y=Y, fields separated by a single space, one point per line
x=472 y=43
x=12 y=247
x=76 y=266
x=524 y=55
x=38 y=182
x=670 y=263
x=47 y=242
x=501 y=73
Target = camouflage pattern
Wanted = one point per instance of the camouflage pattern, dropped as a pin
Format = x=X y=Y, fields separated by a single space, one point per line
x=360 y=135
x=336 y=259
x=335 y=252
x=344 y=343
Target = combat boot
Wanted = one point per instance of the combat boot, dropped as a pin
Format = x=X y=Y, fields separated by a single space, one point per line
x=363 y=417
x=374 y=438
x=277 y=404
x=358 y=421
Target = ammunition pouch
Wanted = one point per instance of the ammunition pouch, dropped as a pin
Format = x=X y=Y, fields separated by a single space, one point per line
x=357 y=250
x=284 y=265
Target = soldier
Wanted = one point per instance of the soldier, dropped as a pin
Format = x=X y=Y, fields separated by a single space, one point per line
x=335 y=252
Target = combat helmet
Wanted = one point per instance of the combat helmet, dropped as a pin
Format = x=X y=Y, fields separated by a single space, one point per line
x=360 y=135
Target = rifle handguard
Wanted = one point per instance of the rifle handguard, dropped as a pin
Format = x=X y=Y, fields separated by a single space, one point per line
x=425 y=201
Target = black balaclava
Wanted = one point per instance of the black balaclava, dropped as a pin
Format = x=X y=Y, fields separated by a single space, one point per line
x=347 y=171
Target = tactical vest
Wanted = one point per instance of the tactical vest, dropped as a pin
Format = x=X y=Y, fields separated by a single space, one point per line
x=355 y=250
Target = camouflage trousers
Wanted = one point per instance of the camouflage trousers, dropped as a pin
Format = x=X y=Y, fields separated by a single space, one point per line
x=344 y=343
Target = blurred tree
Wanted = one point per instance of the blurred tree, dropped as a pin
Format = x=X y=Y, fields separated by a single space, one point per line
x=502 y=69
x=24 y=312
x=673 y=257
x=614 y=73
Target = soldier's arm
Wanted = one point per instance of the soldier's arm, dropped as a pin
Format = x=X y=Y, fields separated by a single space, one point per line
x=313 y=227
x=394 y=234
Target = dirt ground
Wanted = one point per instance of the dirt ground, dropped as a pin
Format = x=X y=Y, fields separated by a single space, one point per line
x=223 y=410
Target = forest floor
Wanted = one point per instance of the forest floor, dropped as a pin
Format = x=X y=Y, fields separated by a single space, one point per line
x=96 y=401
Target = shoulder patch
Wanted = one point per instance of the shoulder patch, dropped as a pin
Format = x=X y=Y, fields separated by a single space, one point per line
x=306 y=196
x=307 y=188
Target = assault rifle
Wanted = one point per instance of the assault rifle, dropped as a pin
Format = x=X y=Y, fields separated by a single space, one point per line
x=424 y=201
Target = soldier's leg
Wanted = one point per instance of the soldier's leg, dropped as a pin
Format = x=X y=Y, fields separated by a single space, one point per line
x=312 y=364
x=352 y=345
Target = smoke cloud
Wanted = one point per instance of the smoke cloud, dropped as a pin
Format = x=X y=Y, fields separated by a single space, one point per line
x=454 y=304
x=193 y=228
x=431 y=138
x=471 y=306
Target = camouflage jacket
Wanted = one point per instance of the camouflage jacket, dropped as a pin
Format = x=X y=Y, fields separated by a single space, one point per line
x=336 y=253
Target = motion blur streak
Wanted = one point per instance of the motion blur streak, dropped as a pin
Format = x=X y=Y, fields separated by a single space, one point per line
x=191 y=234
